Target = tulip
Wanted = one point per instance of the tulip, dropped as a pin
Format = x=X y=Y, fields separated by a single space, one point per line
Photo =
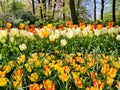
x=8 y=25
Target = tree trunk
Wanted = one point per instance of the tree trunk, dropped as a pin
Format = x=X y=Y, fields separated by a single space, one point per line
x=40 y=10
x=48 y=2
x=44 y=2
x=73 y=12
x=113 y=11
x=33 y=6
x=54 y=9
x=102 y=9
x=63 y=11
x=78 y=7
x=95 y=10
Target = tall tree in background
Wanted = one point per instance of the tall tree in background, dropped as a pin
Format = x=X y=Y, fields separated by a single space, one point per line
x=102 y=9
x=73 y=12
x=40 y=10
x=47 y=15
x=95 y=10
x=113 y=11
x=54 y=9
x=63 y=10
x=33 y=6
x=78 y=6
x=42 y=3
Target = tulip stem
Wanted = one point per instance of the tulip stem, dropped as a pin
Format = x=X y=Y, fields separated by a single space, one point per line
x=66 y=86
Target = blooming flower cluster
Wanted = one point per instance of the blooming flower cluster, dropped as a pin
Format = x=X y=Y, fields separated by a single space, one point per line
x=53 y=34
x=44 y=70
x=67 y=58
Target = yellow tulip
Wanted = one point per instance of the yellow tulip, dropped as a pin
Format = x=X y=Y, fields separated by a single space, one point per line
x=3 y=81
x=34 y=77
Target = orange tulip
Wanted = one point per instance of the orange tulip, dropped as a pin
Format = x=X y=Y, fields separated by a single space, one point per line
x=94 y=26
x=45 y=33
x=116 y=26
x=82 y=26
x=48 y=85
x=32 y=26
x=35 y=32
x=0 y=28
x=59 y=26
x=68 y=24
x=99 y=26
x=78 y=82
x=47 y=70
x=54 y=28
x=108 y=27
x=26 y=27
x=92 y=74
x=35 y=86
x=21 y=26
x=98 y=84
x=8 y=25
x=110 y=24
x=62 y=28
x=75 y=26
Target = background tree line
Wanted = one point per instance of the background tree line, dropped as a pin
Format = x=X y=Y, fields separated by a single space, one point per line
x=41 y=12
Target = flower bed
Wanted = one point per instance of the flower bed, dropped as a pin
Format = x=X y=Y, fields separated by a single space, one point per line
x=67 y=58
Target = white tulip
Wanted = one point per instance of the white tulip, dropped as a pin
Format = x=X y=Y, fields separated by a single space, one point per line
x=116 y=30
x=30 y=35
x=57 y=31
x=14 y=32
x=57 y=34
x=69 y=34
x=111 y=30
x=77 y=31
x=90 y=33
x=52 y=38
x=23 y=33
x=11 y=39
x=97 y=32
x=118 y=37
x=63 y=32
x=63 y=42
x=23 y=47
x=103 y=31
x=3 y=33
x=84 y=33
x=40 y=34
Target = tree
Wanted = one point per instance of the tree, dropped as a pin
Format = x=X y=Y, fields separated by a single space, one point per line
x=63 y=10
x=102 y=9
x=54 y=9
x=10 y=10
x=33 y=6
x=40 y=10
x=78 y=6
x=113 y=11
x=108 y=15
x=73 y=12
x=42 y=4
x=95 y=10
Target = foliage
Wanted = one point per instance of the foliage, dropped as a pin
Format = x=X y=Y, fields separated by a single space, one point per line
x=16 y=7
x=10 y=10
x=27 y=16
x=108 y=17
